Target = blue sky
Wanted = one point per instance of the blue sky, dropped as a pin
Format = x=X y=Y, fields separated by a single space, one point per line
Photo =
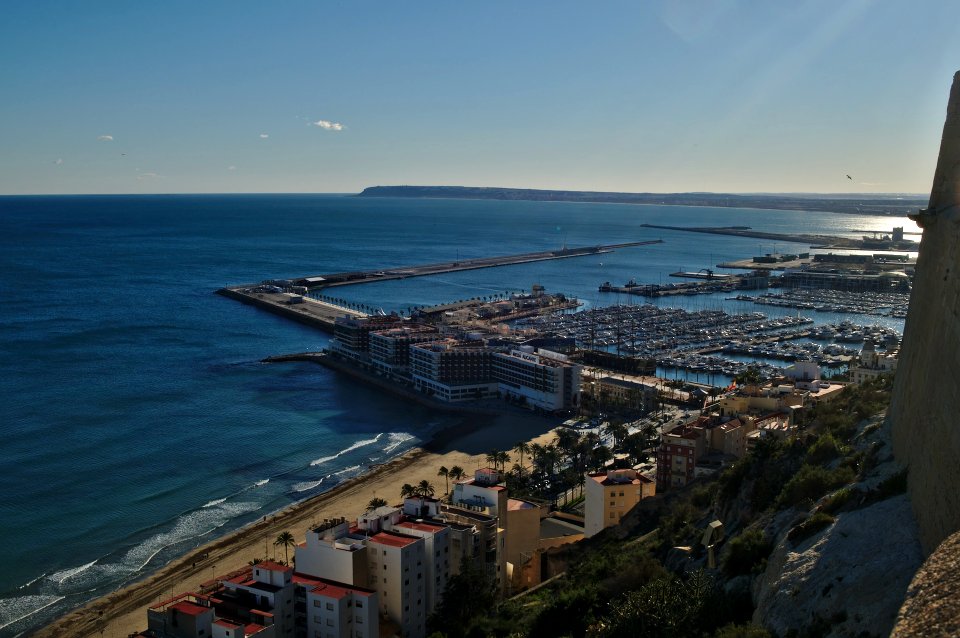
x=662 y=95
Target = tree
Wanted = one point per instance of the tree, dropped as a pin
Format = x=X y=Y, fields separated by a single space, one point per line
x=492 y=457
x=376 y=502
x=457 y=473
x=503 y=458
x=407 y=491
x=445 y=473
x=286 y=539
x=521 y=448
x=424 y=489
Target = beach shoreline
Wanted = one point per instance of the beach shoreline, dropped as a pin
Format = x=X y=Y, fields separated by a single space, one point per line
x=124 y=611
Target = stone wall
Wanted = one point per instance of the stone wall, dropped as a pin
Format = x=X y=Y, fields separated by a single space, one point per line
x=925 y=410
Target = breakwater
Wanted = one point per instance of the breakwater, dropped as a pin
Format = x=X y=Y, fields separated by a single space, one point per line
x=403 y=272
x=815 y=241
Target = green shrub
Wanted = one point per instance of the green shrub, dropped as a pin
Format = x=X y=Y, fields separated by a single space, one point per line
x=812 y=482
x=746 y=553
x=836 y=501
x=742 y=631
x=824 y=450
x=893 y=485
x=809 y=527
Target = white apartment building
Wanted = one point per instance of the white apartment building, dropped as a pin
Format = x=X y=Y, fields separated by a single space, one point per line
x=333 y=551
x=397 y=564
x=339 y=610
x=543 y=379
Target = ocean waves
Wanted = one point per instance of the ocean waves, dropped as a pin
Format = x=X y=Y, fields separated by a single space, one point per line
x=346 y=450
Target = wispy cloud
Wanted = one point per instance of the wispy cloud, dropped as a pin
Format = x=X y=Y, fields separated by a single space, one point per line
x=105 y=138
x=58 y=161
x=147 y=175
x=231 y=168
x=264 y=136
x=327 y=125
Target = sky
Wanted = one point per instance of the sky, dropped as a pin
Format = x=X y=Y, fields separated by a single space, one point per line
x=732 y=96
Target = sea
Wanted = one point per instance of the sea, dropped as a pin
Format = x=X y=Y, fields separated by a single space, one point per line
x=138 y=421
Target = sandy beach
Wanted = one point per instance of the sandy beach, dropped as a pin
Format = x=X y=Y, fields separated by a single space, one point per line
x=123 y=612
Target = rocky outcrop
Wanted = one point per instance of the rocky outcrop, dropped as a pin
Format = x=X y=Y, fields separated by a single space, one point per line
x=930 y=609
x=848 y=579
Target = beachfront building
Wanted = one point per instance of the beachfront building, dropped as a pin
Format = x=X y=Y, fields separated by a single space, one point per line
x=539 y=378
x=611 y=494
x=336 y=610
x=351 y=335
x=334 y=550
x=872 y=364
x=452 y=370
x=398 y=571
x=266 y=588
x=238 y=605
x=390 y=348
x=184 y=616
x=436 y=540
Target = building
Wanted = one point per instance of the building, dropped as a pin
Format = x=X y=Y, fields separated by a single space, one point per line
x=351 y=335
x=390 y=348
x=541 y=379
x=611 y=494
x=334 y=550
x=872 y=364
x=398 y=572
x=636 y=395
x=336 y=610
x=452 y=370
x=267 y=587
x=677 y=455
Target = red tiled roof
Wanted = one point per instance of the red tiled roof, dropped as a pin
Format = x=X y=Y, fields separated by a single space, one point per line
x=228 y=624
x=421 y=526
x=393 y=540
x=190 y=609
x=272 y=566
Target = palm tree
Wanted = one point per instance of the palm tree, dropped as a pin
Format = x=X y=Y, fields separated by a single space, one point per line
x=521 y=448
x=457 y=473
x=492 y=457
x=503 y=458
x=445 y=473
x=407 y=491
x=286 y=539
x=376 y=502
x=424 y=489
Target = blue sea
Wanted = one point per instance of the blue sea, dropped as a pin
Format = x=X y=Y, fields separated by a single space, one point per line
x=138 y=421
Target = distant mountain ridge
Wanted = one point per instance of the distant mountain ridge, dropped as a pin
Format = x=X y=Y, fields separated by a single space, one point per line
x=854 y=204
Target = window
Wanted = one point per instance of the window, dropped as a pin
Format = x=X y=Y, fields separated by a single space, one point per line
x=359 y=620
x=612 y=515
x=316 y=603
x=329 y=606
x=359 y=604
x=329 y=622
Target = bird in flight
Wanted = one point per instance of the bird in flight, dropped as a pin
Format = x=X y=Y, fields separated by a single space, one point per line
x=850 y=178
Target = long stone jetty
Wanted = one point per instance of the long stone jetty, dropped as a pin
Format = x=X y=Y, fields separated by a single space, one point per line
x=365 y=276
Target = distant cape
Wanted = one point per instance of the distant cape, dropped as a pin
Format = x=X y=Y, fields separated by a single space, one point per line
x=871 y=204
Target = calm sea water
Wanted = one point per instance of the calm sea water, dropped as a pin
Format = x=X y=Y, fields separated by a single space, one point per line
x=137 y=420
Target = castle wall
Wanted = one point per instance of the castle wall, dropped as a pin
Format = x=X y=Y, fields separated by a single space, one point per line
x=925 y=410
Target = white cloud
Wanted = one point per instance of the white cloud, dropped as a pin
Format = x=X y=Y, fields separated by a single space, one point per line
x=231 y=168
x=58 y=161
x=264 y=136
x=327 y=125
x=105 y=138
x=147 y=175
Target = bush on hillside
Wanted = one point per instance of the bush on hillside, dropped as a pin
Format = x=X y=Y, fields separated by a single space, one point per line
x=812 y=482
x=747 y=553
